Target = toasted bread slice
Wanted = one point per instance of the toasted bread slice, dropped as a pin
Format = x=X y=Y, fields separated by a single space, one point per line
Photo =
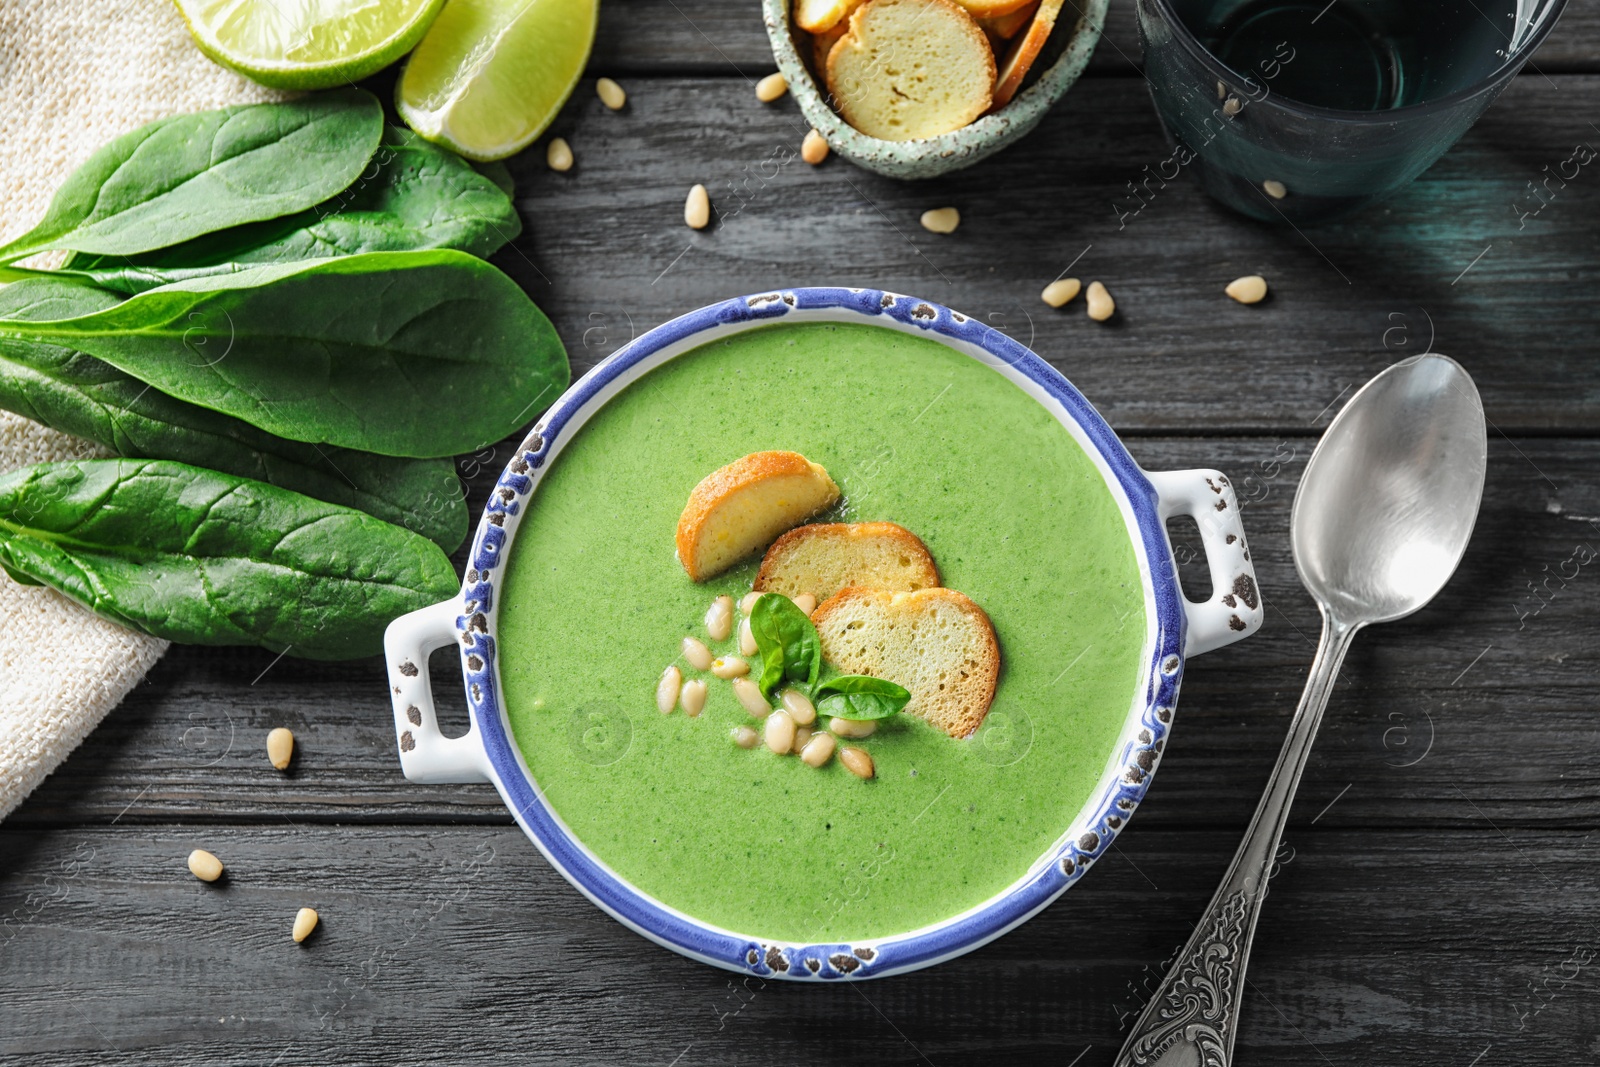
x=817 y=16
x=910 y=69
x=823 y=558
x=935 y=642
x=1004 y=27
x=1024 y=50
x=738 y=509
x=986 y=9
x=821 y=44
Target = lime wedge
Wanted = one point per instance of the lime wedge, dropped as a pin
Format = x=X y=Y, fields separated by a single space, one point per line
x=491 y=74
x=307 y=44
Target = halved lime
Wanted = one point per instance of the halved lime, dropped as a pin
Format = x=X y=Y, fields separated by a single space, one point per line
x=307 y=44
x=491 y=74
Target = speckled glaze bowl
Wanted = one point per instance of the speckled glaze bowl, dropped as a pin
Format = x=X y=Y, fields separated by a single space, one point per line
x=1176 y=628
x=933 y=156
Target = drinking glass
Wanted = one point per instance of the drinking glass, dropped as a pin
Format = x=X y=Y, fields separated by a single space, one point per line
x=1292 y=111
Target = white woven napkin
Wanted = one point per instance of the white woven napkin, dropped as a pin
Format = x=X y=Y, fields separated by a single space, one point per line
x=73 y=75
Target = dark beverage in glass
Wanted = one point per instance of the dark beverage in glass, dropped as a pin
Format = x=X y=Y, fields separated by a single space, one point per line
x=1300 y=111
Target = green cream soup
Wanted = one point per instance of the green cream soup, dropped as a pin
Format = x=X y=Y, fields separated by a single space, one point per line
x=595 y=606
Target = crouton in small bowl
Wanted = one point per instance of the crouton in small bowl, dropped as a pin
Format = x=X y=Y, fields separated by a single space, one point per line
x=919 y=88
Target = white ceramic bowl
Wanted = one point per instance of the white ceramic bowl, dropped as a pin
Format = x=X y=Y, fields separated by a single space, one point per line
x=1176 y=628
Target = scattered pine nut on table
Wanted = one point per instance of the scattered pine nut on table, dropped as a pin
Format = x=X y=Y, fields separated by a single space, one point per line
x=771 y=88
x=611 y=94
x=558 y=155
x=1101 y=306
x=1061 y=291
x=697 y=208
x=941 y=220
x=814 y=149
x=204 y=866
x=280 y=747
x=1247 y=290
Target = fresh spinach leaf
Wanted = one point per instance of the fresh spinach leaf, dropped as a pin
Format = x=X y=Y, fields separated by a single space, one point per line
x=401 y=353
x=860 y=696
x=192 y=174
x=414 y=195
x=78 y=394
x=205 y=558
x=496 y=171
x=788 y=643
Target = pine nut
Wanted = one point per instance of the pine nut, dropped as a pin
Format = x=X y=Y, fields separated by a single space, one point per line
x=1222 y=91
x=747 y=639
x=1276 y=190
x=745 y=737
x=697 y=208
x=806 y=603
x=747 y=603
x=611 y=94
x=668 y=688
x=798 y=706
x=305 y=921
x=818 y=750
x=729 y=667
x=1247 y=290
x=698 y=655
x=857 y=762
x=1061 y=291
x=802 y=737
x=558 y=154
x=1232 y=106
x=941 y=220
x=1101 y=306
x=280 y=747
x=204 y=866
x=780 y=732
x=852 y=728
x=719 y=618
x=814 y=149
x=749 y=694
x=693 y=697
x=770 y=88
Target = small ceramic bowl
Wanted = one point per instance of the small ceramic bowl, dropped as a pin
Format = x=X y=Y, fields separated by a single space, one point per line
x=1070 y=44
x=1176 y=629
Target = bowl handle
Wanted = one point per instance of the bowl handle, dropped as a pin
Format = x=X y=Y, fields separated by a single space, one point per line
x=426 y=755
x=1234 y=609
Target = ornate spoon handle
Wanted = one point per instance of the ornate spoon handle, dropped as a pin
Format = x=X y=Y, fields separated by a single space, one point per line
x=1193 y=1016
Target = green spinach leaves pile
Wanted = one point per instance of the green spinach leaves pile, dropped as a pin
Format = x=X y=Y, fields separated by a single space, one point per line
x=791 y=654
x=280 y=316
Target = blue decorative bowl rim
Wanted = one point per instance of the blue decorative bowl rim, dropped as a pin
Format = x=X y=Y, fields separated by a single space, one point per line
x=1117 y=794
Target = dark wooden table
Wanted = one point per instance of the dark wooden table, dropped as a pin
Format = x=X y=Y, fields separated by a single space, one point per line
x=1438 y=900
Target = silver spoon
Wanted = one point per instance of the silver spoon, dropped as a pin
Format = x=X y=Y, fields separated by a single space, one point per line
x=1380 y=521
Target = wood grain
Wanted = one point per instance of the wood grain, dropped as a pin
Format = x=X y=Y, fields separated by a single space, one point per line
x=657 y=37
x=606 y=255
x=461 y=945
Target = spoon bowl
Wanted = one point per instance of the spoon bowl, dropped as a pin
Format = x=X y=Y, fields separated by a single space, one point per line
x=1390 y=496
x=1381 y=519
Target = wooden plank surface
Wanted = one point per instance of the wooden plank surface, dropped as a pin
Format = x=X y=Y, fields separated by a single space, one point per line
x=607 y=256
x=460 y=945
x=654 y=37
x=1438 y=905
